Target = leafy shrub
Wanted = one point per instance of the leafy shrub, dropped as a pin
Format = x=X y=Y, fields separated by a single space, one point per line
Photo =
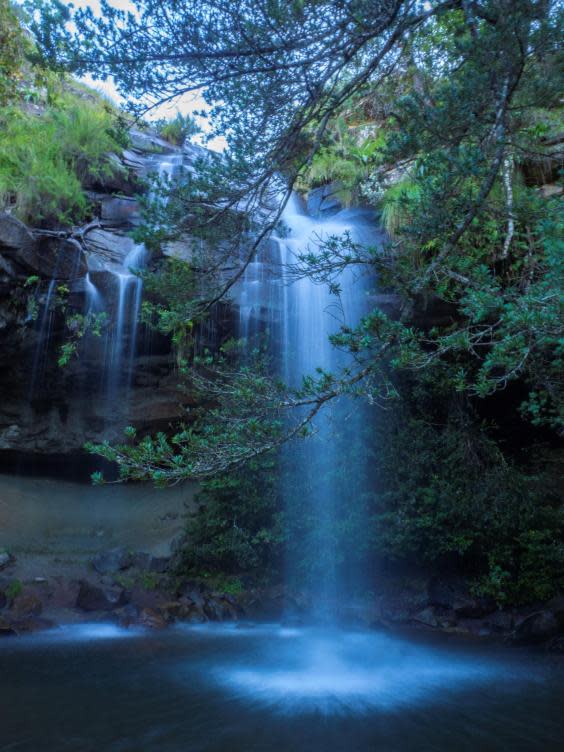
x=238 y=526
x=449 y=496
x=13 y=47
x=45 y=160
x=176 y=131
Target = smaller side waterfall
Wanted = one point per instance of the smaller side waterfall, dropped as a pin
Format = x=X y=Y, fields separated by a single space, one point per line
x=123 y=337
x=43 y=329
x=93 y=302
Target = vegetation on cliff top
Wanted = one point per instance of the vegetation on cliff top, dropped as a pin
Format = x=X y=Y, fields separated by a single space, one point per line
x=55 y=135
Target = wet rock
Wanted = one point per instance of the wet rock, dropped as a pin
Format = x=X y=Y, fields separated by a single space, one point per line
x=17 y=243
x=500 y=621
x=106 y=248
x=324 y=200
x=171 y=610
x=5 y=559
x=47 y=256
x=6 y=628
x=113 y=561
x=428 y=617
x=536 y=628
x=26 y=605
x=140 y=560
x=61 y=258
x=403 y=599
x=92 y=598
x=190 y=612
x=149 y=142
x=556 y=605
x=120 y=210
x=193 y=615
x=32 y=624
x=127 y=615
x=158 y=564
x=453 y=593
x=152 y=619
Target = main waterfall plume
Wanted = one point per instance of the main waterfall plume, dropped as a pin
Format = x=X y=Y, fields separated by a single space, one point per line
x=296 y=317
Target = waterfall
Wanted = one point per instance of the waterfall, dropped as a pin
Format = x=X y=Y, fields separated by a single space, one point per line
x=320 y=474
x=121 y=348
x=43 y=329
x=123 y=338
x=93 y=302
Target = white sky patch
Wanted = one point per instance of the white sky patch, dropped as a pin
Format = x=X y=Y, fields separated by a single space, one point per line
x=187 y=104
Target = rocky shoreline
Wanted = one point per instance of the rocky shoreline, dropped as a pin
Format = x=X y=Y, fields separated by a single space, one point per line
x=140 y=589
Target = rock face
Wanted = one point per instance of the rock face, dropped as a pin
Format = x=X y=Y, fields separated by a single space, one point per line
x=93 y=598
x=49 y=411
x=110 y=562
x=536 y=628
x=46 y=256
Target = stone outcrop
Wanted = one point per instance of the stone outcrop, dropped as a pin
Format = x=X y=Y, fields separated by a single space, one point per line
x=50 y=411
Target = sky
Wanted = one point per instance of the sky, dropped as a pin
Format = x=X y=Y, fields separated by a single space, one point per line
x=187 y=104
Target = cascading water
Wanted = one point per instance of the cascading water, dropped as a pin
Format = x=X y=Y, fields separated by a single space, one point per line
x=44 y=326
x=121 y=345
x=298 y=317
x=123 y=339
x=93 y=302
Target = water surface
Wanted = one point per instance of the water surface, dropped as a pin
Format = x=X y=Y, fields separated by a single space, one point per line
x=272 y=689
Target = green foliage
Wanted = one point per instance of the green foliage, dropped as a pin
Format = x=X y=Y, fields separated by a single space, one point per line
x=346 y=159
x=396 y=203
x=448 y=494
x=46 y=160
x=78 y=326
x=177 y=130
x=168 y=303
x=14 y=46
x=238 y=527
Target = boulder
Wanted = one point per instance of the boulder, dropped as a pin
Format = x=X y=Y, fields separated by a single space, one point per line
x=324 y=200
x=113 y=561
x=48 y=256
x=31 y=624
x=106 y=248
x=127 y=615
x=140 y=560
x=427 y=617
x=453 y=593
x=18 y=243
x=26 y=605
x=500 y=621
x=6 y=628
x=536 y=628
x=159 y=564
x=61 y=258
x=5 y=559
x=93 y=598
x=120 y=211
x=152 y=619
